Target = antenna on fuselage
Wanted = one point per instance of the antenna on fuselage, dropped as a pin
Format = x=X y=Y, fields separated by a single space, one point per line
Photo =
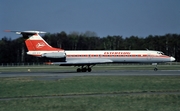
x=147 y=49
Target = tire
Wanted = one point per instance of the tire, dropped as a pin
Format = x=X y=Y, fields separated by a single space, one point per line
x=78 y=70
x=155 y=69
x=84 y=70
x=89 y=69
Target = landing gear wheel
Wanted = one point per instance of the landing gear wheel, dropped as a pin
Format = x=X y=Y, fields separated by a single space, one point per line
x=155 y=69
x=78 y=70
x=89 y=69
x=84 y=69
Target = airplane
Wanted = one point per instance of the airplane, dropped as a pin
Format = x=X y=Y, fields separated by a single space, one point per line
x=86 y=59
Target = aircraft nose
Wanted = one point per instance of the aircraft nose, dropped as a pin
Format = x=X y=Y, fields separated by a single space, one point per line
x=172 y=59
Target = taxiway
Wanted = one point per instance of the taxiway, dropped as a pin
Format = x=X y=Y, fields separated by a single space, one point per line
x=65 y=74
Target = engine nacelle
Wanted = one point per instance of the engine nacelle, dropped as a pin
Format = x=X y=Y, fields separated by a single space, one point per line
x=54 y=55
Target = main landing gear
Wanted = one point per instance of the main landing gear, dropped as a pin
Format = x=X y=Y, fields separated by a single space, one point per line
x=85 y=68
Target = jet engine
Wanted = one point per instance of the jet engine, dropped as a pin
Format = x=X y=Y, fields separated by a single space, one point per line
x=55 y=55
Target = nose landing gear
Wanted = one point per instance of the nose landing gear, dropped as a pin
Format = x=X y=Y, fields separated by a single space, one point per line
x=155 y=69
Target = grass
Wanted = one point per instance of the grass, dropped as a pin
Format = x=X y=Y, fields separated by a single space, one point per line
x=105 y=103
x=30 y=86
x=19 y=87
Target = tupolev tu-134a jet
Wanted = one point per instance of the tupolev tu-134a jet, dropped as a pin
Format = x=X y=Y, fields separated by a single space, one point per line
x=86 y=59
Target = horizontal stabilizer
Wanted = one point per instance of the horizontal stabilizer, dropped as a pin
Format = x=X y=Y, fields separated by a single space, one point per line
x=26 y=32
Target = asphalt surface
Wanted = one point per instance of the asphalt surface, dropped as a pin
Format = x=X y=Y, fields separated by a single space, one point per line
x=67 y=74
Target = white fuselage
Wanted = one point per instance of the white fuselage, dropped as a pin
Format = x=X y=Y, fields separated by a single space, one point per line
x=126 y=56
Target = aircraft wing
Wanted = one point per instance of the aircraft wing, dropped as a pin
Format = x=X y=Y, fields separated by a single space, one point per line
x=77 y=62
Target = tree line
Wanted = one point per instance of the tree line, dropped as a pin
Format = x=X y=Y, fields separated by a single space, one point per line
x=14 y=50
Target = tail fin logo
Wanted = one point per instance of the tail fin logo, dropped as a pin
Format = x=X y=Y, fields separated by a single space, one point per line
x=40 y=45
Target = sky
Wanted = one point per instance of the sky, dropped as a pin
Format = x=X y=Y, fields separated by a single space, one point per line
x=104 y=17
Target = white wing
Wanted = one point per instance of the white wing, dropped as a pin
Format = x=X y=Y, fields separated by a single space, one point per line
x=77 y=62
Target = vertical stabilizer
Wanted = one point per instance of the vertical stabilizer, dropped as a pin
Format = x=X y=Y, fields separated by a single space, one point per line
x=35 y=42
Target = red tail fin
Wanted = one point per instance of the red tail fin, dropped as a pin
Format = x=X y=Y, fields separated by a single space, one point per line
x=37 y=43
